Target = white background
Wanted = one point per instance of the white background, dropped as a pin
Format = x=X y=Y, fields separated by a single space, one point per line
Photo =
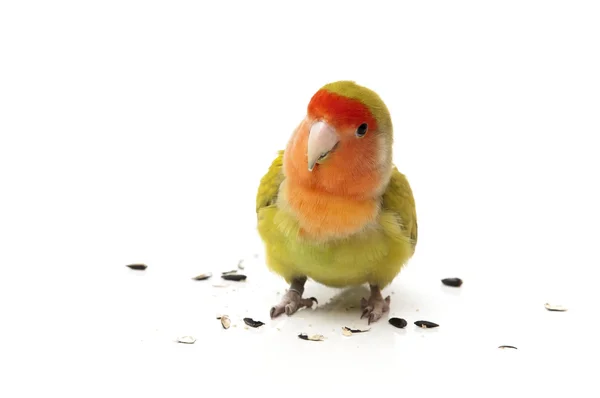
x=138 y=132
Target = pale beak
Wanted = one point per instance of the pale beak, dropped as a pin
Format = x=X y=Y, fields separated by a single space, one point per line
x=321 y=140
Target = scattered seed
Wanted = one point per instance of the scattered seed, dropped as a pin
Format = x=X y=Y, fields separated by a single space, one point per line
x=186 y=340
x=233 y=277
x=426 y=324
x=507 y=346
x=138 y=267
x=346 y=331
x=225 y=322
x=400 y=323
x=551 y=307
x=241 y=264
x=233 y=271
x=314 y=337
x=454 y=282
x=202 y=277
x=252 y=323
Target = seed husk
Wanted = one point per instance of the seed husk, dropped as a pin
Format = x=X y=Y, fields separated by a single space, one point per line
x=225 y=321
x=551 y=307
x=454 y=282
x=252 y=323
x=241 y=264
x=233 y=277
x=186 y=340
x=346 y=331
x=233 y=271
x=398 y=322
x=426 y=324
x=507 y=346
x=202 y=277
x=314 y=337
x=138 y=267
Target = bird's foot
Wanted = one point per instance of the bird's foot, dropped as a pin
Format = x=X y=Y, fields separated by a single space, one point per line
x=291 y=302
x=375 y=306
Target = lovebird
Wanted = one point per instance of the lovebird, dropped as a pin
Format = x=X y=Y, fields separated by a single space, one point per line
x=332 y=206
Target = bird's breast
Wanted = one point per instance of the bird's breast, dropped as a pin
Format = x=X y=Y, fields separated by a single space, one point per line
x=322 y=216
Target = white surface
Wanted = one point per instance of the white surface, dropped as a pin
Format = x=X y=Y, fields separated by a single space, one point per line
x=138 y=132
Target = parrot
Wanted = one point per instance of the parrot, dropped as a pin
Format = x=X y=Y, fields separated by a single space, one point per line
x=332 y=206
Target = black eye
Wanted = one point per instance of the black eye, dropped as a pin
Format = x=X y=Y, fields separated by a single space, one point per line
x=362 y=130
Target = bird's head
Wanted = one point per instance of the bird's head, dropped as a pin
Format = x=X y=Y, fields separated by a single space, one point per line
x=344 y=144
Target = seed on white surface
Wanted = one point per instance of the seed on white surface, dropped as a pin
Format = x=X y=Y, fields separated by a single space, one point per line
x=454 y=282
x=137 y=267
x=426 y=324
x=241 y=264
x=252 y=323
x=225 y=321
x=507 y=346
x=551 y=307
x=346 y=331
x=186 y=340
x=400 y=323
x=233 y=277
x=314 y=337
x=233 y=271
x=203 y=276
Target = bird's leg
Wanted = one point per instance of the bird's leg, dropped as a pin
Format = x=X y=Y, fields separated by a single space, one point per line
x=292 y=301
x=375 y=306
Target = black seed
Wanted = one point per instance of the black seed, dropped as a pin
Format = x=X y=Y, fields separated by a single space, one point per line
x=202 y=277
x=316 y=337
x=356 y=330
x=426 y=324
x=234 y=277
x=454 y=282
x=139 y=267
x=234 y=271
x=398 y=322
x=252 y=323
x=507 y=346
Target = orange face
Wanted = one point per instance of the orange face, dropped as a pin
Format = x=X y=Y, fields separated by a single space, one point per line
x=336 y=148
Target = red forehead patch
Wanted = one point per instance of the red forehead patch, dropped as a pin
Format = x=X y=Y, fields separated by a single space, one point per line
x=341 y=112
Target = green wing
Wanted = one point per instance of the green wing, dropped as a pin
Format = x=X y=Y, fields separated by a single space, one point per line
x=268 y=188
x=398 y=198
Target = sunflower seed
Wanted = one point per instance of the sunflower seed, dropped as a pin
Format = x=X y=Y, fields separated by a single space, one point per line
x=454 y=282
x=314 y=337
x=551 y=307
x=225 y=321
x=233 y=271
x=186 y=340
x=233 y=277
x=426 y=324
x=398 y=322
x=202 y=277
x=346 y=331
x=507 y=346
x=139 y=267
x=252 y=323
